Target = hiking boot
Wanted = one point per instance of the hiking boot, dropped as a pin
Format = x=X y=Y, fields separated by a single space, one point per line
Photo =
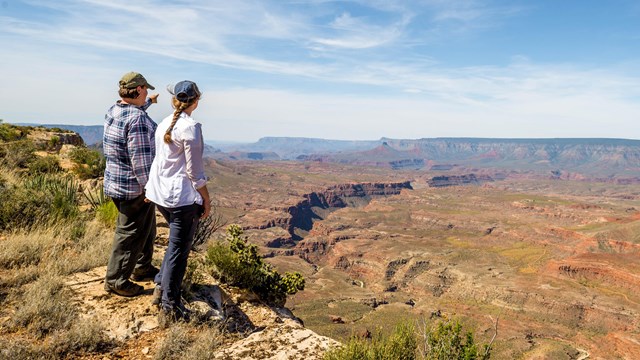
x=156 y=298
x=127 y=289
x=147 y=274
x=182 y=313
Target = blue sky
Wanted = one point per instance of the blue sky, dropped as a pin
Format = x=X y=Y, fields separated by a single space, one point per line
x=335 y=69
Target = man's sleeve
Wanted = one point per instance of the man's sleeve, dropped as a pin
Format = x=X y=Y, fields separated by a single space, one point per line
x=193 y=151
x=139 y=143
x=146 y=105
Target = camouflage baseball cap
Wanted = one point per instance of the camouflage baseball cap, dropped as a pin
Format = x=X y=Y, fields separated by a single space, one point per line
x=132 y=80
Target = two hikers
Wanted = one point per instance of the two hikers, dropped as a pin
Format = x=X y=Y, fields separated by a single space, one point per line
x=151 y=165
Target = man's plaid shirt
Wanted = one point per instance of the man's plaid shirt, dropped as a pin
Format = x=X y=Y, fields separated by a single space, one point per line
x=129 y=148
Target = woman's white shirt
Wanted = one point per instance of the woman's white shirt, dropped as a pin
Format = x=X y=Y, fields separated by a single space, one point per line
x=178 y=169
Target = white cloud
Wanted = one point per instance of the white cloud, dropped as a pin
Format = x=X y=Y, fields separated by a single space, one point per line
x=356 y=33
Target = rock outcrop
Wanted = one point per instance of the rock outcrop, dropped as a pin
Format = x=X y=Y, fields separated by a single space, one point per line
x=456 y=180
x=302 y=214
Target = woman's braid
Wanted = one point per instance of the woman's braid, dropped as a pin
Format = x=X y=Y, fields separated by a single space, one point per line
x=179 y=108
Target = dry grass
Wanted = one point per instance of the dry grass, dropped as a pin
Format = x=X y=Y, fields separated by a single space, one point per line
x=85 y=335
x=30 y=253
x=186 y=341
x=44 y=307
x=42 y=320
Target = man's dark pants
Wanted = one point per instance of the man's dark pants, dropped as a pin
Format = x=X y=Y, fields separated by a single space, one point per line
x=183 y=222
x=133 y=241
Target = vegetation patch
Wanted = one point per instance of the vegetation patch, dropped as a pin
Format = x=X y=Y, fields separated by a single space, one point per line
x=45 y=307
x=87 y=163
x=184 y=341
x=237 y=263
x=48 y=164
x=443 y=340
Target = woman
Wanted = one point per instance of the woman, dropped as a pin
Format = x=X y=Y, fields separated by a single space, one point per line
x=177 y=185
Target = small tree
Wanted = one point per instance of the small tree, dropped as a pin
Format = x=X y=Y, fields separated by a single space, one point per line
x=238 y=263
x=445 y=341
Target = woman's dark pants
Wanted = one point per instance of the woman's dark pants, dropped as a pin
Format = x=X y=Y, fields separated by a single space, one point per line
x=182 y=226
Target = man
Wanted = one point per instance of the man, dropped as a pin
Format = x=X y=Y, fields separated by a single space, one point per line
x=129 y=149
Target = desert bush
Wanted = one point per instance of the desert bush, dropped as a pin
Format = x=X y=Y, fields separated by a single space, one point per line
x=18 y=154
x=441 y=341
x=107 y=213
x=10 y=132
x=91 y=250
x=22 y=207
x=207 y=341
x=53 y=142
x=446 y=341
x=17 y=255
x=399 y=345
x=45 y=307
x=44 y=165
x=88 y=163
x=105 y=209
x=237 y=263
x=84 y=336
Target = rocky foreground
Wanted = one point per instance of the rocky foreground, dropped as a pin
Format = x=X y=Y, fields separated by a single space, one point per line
x=248 y=328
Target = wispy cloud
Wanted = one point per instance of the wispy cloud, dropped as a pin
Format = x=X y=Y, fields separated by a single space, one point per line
x=356 y=33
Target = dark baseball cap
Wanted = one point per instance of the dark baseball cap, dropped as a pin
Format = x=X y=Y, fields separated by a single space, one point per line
x=184 y=91
x=132 y=80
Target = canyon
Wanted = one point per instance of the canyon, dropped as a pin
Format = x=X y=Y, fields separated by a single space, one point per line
x=549 y=263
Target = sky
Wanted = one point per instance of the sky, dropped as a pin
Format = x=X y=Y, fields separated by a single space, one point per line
x=352 y=70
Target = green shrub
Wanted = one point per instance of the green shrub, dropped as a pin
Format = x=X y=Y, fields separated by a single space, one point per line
x=96 y=200
x=18 y=154
x=40 y=199
x=445 y=341
x=87 y=163
x=440 y=342
x=44 y=165
x=107 y=213
x=54 y=141
x=400 y=345
x=237 y=263
x=21 y=207
x=62 y=193
x=9 y=132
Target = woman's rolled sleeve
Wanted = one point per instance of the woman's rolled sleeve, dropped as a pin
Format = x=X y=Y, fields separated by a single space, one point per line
x=194 y=152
